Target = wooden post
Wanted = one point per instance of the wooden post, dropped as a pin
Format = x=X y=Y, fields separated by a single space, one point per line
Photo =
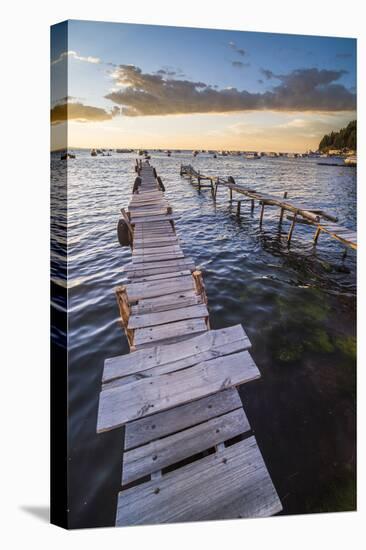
x=199 y=182
x=200 y=289
x=124 y=310
x=316 y=236
x=200 y=285
x=261 y=216
x=289 y=236
x=230 y=194
x=216 y=186
x=282 y=209
x=238 y=209
x=252 y=207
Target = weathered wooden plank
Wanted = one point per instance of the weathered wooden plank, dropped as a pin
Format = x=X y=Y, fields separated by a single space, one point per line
x=154 y=241
x=177 y=265
x=137 y=275
x=157 y=287
x=161 y=453
x=141 y=320
x=185 y=263
x=147 y=212
x=140 y=432
x=120 y=405
x=163 y=276
x=155 y=233
x=167 y=368
x=214 y=343
x=165 y=303
x=150 y=335
x=233 y=484
x=155 y=250
x=157 y=257
x=151 y=219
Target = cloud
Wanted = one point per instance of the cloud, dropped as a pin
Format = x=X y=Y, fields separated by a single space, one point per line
x=170 y=71
x=144 y=94
x=239 y=64
x=79 y=112
x=234 y=47
x=74 y=55
x=267 y=73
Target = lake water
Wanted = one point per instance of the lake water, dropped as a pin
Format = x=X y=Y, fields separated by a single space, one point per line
x=297 y=306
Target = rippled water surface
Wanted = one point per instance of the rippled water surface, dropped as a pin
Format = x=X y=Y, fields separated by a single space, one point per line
x=297 y=306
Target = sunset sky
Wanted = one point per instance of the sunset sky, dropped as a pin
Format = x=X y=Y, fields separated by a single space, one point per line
x=168 y=87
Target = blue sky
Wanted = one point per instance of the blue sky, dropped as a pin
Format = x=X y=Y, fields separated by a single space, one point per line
x=266 y=72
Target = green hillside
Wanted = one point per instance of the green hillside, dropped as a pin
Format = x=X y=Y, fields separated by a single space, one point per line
x=346 y=138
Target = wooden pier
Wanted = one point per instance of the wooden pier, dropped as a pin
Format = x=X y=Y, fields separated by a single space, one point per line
x=299 y=213
x=189 y=452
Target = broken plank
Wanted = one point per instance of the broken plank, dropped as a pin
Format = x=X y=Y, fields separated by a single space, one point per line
x=159 y=454
x=140 y=432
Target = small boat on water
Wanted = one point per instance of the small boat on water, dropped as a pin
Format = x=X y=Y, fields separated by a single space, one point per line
x=331 y=161
x=66 y=156
x=93 y=153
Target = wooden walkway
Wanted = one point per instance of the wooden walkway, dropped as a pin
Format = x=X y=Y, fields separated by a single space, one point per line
x=189 y=453
x=322 y=221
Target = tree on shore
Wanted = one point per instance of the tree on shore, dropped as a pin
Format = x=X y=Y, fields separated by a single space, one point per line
x=346 y=138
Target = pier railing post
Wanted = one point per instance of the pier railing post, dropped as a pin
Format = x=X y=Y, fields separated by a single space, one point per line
x=262 y=214
x=199 y=284
x=282 y=210
x=252 y=206
x=289 y=236
x=316 y=236
x=124 y=310
x=238 y=209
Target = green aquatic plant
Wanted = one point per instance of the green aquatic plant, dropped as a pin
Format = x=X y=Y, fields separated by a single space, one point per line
x=347 y=345
x=291 y=351
x=319 y=341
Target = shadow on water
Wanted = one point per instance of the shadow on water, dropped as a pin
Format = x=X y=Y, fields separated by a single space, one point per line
x=297 y=305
